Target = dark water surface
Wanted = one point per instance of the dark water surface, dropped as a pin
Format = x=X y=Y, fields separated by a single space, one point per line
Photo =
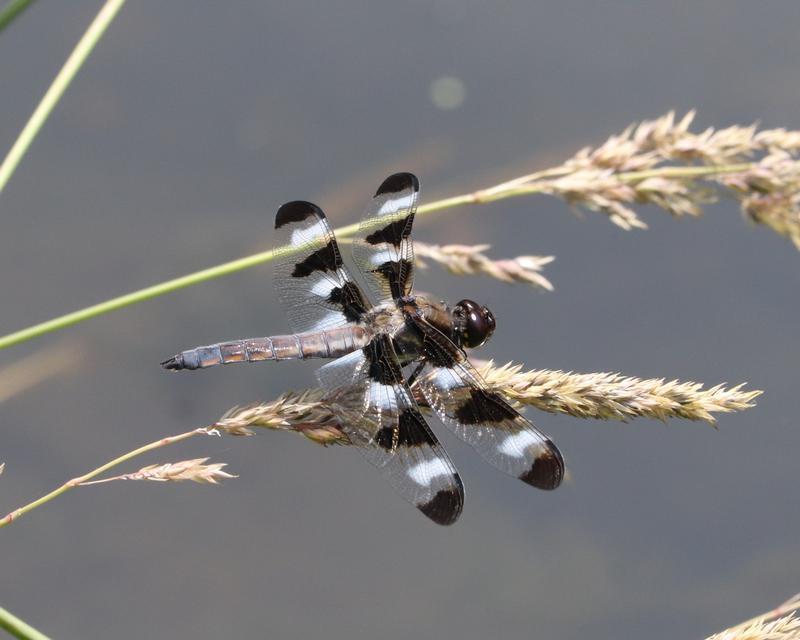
x=193 y=122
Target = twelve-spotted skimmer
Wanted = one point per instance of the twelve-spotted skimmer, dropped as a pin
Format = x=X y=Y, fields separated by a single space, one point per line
x=381 y=352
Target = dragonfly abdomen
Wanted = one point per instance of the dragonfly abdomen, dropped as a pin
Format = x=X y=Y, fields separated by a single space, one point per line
x=332 y=343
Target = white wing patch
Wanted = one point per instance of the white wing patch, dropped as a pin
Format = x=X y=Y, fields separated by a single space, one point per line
x=516 y=444
x=324 y=287
x=301 y=237
x=394 y=204
x=446 y=379
x=426 y=472
x=379 y=257
x=383 y=396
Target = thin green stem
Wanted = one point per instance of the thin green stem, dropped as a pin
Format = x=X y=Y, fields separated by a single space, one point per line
x=11 y=11
x=18 y=628
x=133 y=298
x=71 y=484
x=182 y=282
x=57 y=88
x=478 y=197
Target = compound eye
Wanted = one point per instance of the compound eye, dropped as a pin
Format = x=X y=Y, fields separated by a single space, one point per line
x=478 y=323
x=488 y=318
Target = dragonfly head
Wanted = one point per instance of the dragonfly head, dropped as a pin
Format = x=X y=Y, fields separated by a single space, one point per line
x=474 y=324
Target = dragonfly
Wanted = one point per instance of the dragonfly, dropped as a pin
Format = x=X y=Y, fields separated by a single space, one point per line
x=384 y=355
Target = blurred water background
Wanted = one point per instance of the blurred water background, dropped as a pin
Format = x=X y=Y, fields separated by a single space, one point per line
x=193 y=121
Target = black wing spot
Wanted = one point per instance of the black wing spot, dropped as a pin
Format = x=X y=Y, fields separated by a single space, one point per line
x=393 y=233
x=397 y=182
x=296 y=211
x=324 y=259
x=395 y=273
x=411 y=431
x=385 y=438
x=350 y=298
x=440 y=352
x=383 y=365
x=445 y=507
x=484 y=407
x=437 y=355
x=547 y=470
x=389 y=270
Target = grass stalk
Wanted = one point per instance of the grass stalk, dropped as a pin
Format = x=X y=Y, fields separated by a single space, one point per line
x=18 y=628
x=12 y=11
x=477 y=197
x=71 y=484
x=62 y=80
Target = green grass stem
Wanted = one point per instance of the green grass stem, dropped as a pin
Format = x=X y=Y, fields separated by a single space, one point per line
x=18 y=628
x=12 y=11
x=14 y=515
x=478 y=197
x=62 y=80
